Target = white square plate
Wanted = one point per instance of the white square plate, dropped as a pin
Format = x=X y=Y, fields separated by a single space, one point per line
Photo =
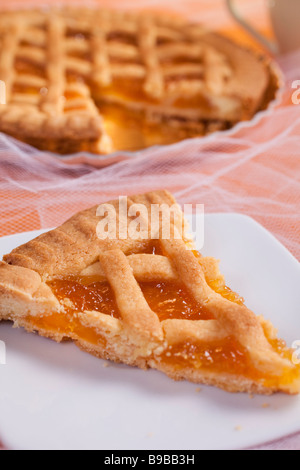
x=53 y=396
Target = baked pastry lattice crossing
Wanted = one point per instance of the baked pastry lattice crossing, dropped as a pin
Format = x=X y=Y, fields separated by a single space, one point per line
x=148 y=303
x=102 y=80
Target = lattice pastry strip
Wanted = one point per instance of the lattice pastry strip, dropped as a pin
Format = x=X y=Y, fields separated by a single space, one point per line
x=145 y=303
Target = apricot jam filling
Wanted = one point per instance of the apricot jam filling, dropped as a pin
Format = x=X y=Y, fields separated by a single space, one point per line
x=226 y=356
x=127 y=90
x=19 y=88
x=132 y=90
x=131 y=129
x=72 y=95
x=78 y=295
x=168 y=299
x=30 y=68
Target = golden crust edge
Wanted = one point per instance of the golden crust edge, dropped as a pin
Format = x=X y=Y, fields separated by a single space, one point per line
x=97 y=146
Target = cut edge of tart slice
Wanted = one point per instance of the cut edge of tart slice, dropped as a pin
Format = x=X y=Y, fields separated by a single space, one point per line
x=148 y=303
x=82 y=79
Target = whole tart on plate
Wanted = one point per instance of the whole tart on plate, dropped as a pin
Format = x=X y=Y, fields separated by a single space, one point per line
x=98 y=80
x=147 y=301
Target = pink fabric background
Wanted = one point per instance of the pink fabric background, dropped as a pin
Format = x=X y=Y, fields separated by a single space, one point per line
x=255 y=171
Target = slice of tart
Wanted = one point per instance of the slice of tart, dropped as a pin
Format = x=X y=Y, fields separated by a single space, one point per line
x=149 y=301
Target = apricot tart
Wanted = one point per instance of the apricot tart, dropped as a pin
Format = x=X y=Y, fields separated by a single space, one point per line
x=147 y=301
x=98 y=80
